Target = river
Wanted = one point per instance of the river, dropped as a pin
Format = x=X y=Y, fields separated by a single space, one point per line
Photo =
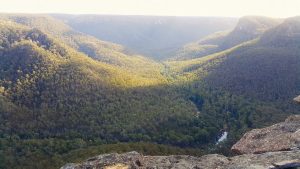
x=223 y=137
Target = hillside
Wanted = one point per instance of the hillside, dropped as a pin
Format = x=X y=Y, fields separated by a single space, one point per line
x=64 y=93
x=59 y=99
x=103 y=51
x=258 y=70
x=56 y=78
x=247 y=28
x=157 y=37
x=261 y=70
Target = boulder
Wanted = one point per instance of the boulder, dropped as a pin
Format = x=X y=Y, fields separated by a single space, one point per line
x=297 y=99
x=109 y=161
x=278 y=137
x=274 y=147
x=185 y=162
x=282 y=159
x=269 y=160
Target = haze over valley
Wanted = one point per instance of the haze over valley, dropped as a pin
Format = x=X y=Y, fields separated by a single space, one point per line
x=74 y=86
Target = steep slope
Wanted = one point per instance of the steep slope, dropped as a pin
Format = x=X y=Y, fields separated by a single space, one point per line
x=284 y=35
x=258 y=70
x=52 y=95
x=247 y=28
x=278 y=137
x=153 y=36
x=205 y=46
x=107 y=52
x=262 y=69
x=56 y=101
x=53 y=80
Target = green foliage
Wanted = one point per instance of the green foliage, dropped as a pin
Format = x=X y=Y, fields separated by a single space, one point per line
x=65 y=96
x=106 y=52
x=203 y=47
x=54 y=153
x=247 y=28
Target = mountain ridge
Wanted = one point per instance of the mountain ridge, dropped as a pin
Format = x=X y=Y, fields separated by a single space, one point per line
x=248 y=28
x=63 y=92
x=152 y=36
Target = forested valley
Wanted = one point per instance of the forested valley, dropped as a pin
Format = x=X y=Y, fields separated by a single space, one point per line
x=66 y=94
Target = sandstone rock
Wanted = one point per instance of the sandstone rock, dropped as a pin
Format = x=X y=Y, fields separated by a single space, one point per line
x=282 y=159
x=185 y=162
x=279 y=137
x=269 y=142
x=287 y=164
x=297 y=99
x=265 y=160
x=109 y=161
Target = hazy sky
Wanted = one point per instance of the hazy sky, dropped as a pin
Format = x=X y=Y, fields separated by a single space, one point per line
x=235 y=8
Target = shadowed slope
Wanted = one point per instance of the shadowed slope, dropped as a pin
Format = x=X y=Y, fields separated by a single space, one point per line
x=248 y=28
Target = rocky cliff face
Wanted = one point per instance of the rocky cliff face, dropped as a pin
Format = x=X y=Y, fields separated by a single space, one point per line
x=279 y=137
x=134 y=160
x=273 y=147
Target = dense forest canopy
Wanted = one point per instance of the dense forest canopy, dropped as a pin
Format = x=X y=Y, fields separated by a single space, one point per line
x=66 y=94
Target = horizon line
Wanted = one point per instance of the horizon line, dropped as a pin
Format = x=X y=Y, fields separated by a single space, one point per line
x=142 y=15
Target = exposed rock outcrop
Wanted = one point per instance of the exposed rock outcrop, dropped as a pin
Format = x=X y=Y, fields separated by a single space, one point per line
x=279 y=137
x=134 y=160
x=297 y=99
x=261 y=149
x=110 y=161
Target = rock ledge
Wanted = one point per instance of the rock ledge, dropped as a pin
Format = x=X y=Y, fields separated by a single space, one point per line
x=278 y=137
x=274 y=147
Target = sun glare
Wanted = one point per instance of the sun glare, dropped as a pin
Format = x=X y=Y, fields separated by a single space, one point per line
x=232 y=8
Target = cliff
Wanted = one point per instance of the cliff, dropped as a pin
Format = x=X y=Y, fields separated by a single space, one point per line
x=273 y=147
x=134 y=160
x=278 y=137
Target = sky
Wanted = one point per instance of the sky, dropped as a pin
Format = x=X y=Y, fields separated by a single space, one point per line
x=225 y=8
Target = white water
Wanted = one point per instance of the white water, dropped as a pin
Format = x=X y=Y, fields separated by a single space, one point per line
x=223 y=137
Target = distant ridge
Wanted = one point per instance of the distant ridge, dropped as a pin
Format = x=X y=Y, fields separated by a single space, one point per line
x=247 y=28
x=157 y=37
x=65 y=95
